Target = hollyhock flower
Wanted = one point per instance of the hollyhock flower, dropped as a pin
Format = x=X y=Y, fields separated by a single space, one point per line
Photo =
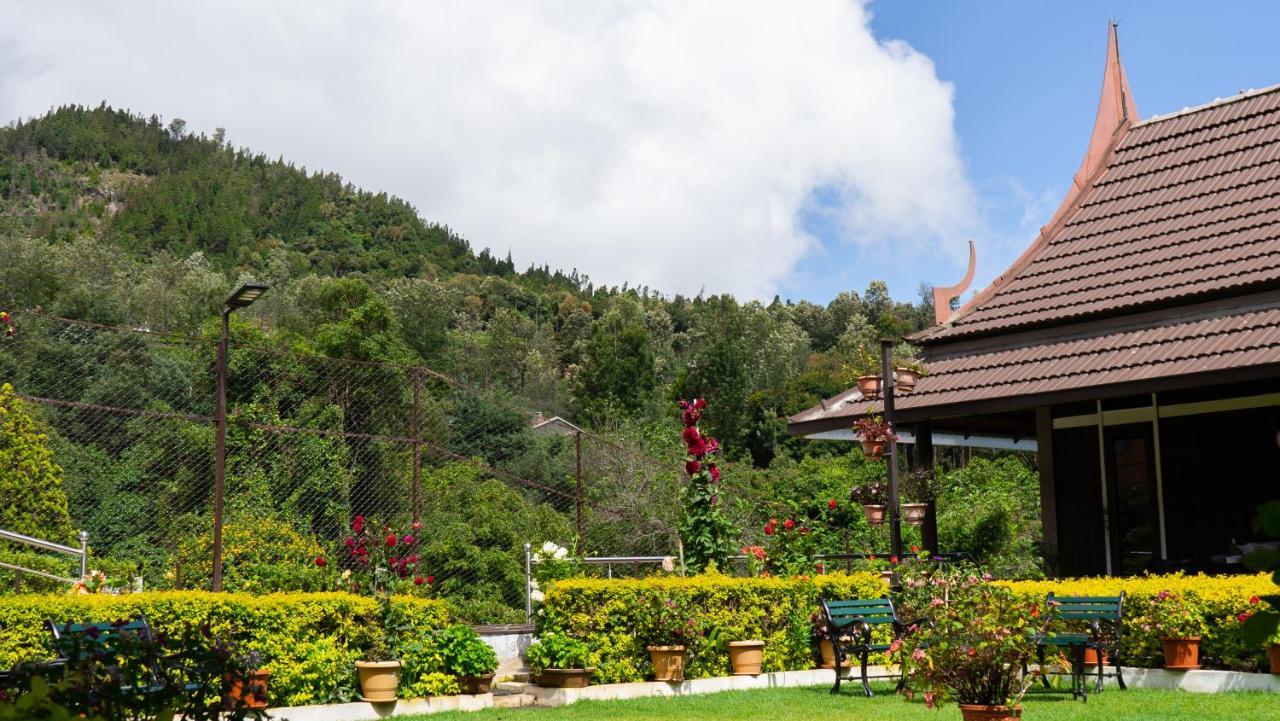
x=682 y=403
x=698 y=448
x=699 y=403
x=320 y=561
x=692 y=467
x=789 y=524
x=715 y=473
x=358 y=524
x=690 y=435
x=391 y=540
x=713 y=445
x=832 y=504
x=408 y=539
x=690 y=418
x=418 y=580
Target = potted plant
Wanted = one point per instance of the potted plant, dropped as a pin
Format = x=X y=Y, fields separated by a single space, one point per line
x=247 y=689
x=1179 y=625
x=873 y=497
x=919 y=486
x=865 y=369
x=560 y=661
x=907 y=375
x=874 y=433
x=973 y=647
x=746 y=657
x=665 y=633
x=468 y=657
x=380 y=560
x=820 y=633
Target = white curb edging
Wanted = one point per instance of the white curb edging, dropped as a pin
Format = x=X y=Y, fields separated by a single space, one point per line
x=365 y=711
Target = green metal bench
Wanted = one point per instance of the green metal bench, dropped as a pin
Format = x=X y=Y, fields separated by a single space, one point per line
x=1104 y=616
x=849 y=627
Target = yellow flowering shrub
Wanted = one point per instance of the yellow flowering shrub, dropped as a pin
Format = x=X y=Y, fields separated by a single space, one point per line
x=1224 y=602
x=309 y=641
x=608 y=616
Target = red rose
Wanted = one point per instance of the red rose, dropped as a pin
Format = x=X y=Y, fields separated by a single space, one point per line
x=320 y=561
x=1242 y=617
x=364 y=560
x=431 y=580
x=417 y=525
x=789 y=524
x=417 y=580
x=391 y=540
x=893 y=560
x=408 y=539
x=831 y=504
x=358 y=524
x=362 y=551
x=692 y=467
x=351 y=542
x=768 y=530
x=915 y=549
x=1254 y=599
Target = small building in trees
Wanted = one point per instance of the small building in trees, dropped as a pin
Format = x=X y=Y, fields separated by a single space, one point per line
x=1135 y=344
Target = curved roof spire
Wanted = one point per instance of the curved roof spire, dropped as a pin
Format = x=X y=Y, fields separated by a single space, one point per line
x=1117 y=112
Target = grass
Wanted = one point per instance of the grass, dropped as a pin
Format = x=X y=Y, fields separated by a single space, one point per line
x=817 y=704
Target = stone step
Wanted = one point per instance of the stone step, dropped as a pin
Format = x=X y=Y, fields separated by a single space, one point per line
x=510 y=688
x=513 y=700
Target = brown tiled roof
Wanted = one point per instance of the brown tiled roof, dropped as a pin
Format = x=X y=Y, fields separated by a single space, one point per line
x=1188 y=205
x=1161 y=345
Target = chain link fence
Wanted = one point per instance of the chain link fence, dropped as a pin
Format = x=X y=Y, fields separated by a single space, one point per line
x=311 y=442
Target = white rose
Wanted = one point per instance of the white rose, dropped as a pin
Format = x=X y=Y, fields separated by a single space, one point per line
x=536 y=596
x=561 y=553
x=549 y=548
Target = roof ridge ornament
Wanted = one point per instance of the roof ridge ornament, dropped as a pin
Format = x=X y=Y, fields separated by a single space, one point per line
x=1117 y=112
x=942 y=310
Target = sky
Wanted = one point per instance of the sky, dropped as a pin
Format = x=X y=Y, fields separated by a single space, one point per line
x=742 y=146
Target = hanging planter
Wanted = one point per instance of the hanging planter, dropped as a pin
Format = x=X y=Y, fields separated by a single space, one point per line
x=869 y=387
x=875 y=514
x=875 y=434
x=914 y=513
x=905 y=379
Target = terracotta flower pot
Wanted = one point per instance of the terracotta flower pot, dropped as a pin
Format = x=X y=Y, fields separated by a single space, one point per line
x=828 y=653
x=1091 y=657
x=746 y=657
x=869 y=387
x=1273 y=655
x=476 y=684
x=875 y=514
x=914 y=513
x=873 y=450
x=1181 y=654
x=668 y=662
x=378 y=679
x=978 y=712
x=905 y=380
x=565 y=677
x=253 y=697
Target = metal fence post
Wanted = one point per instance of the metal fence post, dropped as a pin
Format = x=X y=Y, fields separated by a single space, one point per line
x=528 y=583
x=577 y=485
x=84 y=554
x=220 y=449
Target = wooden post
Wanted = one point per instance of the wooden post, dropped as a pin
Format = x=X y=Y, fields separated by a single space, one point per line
x=220 y=448
x=887 y=383
x=923 y=461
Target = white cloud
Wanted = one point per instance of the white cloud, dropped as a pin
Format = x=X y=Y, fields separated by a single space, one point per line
x=670 y=143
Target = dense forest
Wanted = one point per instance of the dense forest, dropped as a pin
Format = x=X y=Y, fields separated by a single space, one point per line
x=124 y=221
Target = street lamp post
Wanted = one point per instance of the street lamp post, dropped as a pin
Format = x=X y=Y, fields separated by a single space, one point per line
x=244 y=297
x=887 y=383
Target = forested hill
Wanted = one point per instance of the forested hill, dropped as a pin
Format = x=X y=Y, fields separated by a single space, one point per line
x=119 y=219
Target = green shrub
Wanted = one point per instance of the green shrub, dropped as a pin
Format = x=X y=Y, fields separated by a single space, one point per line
x=1222 y=602
x=309 y=641
x=556 y=650
x=465 y=653
x=608 y=614
x=259 y=555
x=30 y=481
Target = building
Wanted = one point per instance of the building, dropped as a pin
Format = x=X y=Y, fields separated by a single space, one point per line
x=553 y=426
x=1137 y=341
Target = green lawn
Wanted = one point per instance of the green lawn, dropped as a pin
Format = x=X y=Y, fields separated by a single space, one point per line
x=816 y=704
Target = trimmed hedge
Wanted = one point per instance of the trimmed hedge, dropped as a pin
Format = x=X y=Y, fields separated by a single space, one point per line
x=309 y=641
x=1222 y=600
x=606 y=613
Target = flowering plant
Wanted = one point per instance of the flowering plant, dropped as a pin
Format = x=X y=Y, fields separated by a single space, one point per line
x=791 y=547
x=1177 y=615
x=871 y=494
x=670 y=623
x=974 y=643
x=7 y=322
x=704 y=529
x=873 y=428
x=756 y=560
x=381 y=560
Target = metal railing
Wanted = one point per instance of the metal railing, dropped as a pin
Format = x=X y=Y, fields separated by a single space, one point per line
x=82 y=553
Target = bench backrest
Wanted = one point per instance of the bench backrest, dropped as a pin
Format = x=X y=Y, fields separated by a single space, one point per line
x=1087 y=608
x=84 y=639
x=860 y=611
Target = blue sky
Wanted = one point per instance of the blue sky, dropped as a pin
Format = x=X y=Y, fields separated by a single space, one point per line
x=1026 y=78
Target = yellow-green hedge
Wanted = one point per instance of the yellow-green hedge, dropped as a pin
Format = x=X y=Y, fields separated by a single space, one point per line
x=309 y=641
x=606 y=613
x=1221 y=599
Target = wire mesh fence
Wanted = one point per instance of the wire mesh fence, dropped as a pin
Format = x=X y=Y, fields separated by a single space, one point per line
x=311 y=442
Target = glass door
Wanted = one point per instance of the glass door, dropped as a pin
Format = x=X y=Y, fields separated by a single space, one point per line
x=1131 y=490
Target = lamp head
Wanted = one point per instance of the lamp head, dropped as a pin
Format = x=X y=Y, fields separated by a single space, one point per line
x=245 y=295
